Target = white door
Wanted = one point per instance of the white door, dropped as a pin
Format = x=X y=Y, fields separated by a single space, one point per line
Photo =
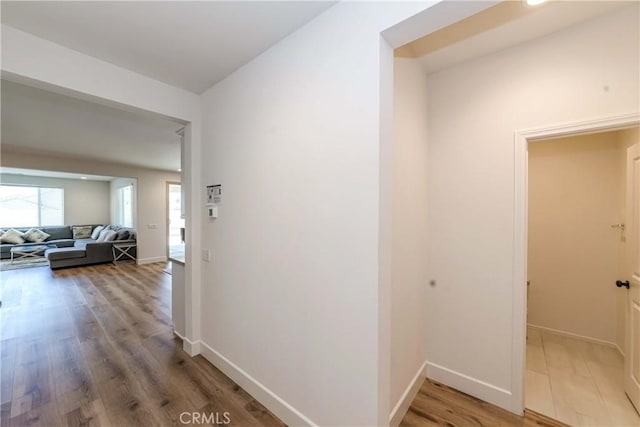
x=632 y=357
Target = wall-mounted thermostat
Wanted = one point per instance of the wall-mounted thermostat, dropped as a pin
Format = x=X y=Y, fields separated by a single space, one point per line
x=212 y=210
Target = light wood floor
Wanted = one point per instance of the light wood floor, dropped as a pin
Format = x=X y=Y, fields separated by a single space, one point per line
x=577 y=382
x=439 y=405
x=93 y=346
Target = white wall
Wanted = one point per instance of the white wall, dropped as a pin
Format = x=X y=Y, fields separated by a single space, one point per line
x=151 y=194
x=85 y=201
x=409 y=240
x=293 y=137
x=582 y=73
x=575 y=195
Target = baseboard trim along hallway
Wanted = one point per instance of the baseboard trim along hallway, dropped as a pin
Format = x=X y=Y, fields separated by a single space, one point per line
x=472 y=386
x=401 y=408
x=287 y=413
x=192 y=348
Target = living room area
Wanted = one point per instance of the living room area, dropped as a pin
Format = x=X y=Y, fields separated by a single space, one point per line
x=70 y=166
x=58 y=218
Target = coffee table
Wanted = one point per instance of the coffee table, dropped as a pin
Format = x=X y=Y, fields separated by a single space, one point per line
x=30 y=251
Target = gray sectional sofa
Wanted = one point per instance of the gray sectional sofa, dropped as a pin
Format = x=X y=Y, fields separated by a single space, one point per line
x=70 y=252
x=61 y=236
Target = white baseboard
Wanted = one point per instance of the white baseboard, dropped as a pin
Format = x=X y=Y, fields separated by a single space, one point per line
x=192 y=348
x=401 y=408
x=152 y=260
x=572 y=335
x=472 y=386
x=287 y=413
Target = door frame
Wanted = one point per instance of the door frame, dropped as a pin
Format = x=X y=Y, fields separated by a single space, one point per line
x=521 y=142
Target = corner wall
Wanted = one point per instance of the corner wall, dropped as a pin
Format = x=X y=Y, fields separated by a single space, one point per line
x=409 y=235
x=585 y=72
x=294 y=138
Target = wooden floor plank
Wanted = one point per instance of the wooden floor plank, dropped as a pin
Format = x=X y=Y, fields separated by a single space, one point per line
x=94 y=346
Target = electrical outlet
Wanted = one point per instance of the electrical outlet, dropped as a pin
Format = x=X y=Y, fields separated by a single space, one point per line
x=206 y=255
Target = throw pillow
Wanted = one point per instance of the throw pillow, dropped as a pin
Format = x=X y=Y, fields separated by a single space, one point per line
x=81 y=232
x=96 y=232
x=102 y=234
x=34 y=235
x=110 y=236
x=12 y=236
x=123 y=234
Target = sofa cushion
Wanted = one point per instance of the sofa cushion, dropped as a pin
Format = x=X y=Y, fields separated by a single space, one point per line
x=110 y=236
x=102 y=235
x=81 y=231
x=62 y=243
x=12 y=236
x=96 y=232
x=64 y=253
x=58 y=232
x=34 y=235
x=123 y=234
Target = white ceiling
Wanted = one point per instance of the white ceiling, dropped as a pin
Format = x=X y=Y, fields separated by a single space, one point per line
x=504 y=27
x=37 y=120
x=191 y=45
x=220 y=36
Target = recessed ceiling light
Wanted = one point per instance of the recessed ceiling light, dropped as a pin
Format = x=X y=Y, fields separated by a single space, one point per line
x=535 y=2
x=83 y=177
x=179 y=170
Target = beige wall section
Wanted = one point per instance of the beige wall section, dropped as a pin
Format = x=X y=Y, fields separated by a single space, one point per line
x=409 y=238
x=151 y=191
x=85 y=201
x=626 y=138
x=574 y=197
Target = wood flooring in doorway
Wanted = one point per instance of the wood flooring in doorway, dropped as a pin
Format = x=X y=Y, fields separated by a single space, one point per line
x=439 y=405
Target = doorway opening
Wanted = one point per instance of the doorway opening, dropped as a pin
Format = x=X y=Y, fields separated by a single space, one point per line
x=576 y=252
x=175 y=221
x=557 y=349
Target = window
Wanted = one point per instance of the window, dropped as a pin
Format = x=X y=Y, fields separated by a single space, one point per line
x=125 y=206
x=22 y=206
